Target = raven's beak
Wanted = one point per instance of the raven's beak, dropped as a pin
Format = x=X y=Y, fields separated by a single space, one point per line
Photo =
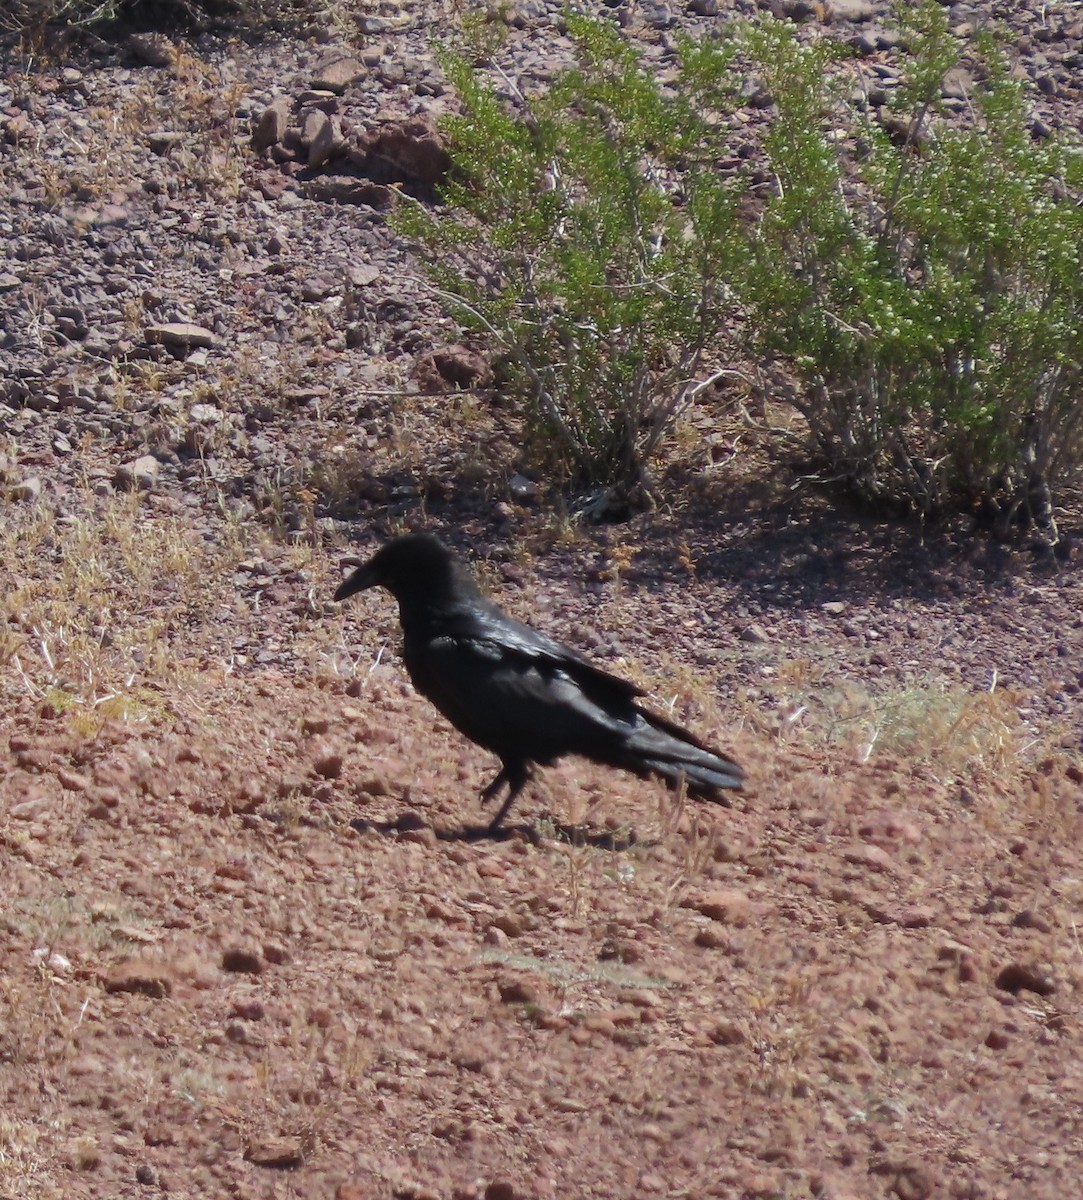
x=364 y=577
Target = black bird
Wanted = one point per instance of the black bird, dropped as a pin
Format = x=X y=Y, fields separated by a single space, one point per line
x=518 y=693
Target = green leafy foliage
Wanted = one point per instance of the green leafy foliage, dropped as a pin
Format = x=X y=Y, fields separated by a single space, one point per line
x=589 y=236
x=932 y=309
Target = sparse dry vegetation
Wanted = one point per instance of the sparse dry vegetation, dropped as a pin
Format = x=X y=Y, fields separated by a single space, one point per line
x=98 y=618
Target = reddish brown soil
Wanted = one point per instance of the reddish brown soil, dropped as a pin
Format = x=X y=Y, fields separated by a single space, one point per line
x=254 y=941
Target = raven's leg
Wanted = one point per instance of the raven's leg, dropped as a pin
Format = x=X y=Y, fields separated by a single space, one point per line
x=491 y=789
x=515 y=775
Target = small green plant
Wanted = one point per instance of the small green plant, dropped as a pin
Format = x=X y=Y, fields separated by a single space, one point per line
x=589 y=237
x=924 y=294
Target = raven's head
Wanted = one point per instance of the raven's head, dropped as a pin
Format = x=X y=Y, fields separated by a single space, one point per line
x=415 y=567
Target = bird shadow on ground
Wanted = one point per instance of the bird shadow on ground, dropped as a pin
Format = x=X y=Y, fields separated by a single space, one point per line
x=535 y=833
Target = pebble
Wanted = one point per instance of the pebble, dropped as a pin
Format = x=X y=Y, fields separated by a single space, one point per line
x=139 y=474
x=154 y=979
x=180 y=334
x=154 y=49
x=851 y=10
x=279 y=1152
x=728 y=906
x=1026 y=977
x=242 y=960
x=336 y=74
x=27 y=490
x=272 y=124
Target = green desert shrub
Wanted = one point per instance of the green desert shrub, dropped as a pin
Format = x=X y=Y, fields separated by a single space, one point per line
x=589 y=237
x=918 y=297
x=923 y=293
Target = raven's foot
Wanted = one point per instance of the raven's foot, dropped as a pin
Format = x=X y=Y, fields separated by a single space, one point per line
x=515 y=775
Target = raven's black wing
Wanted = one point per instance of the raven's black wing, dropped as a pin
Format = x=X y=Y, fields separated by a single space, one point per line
x=529 y=698
x=485 y=622
x=512 y=689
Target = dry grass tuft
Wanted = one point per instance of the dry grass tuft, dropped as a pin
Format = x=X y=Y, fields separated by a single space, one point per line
x=97 y=607
x=928 y=721
x=24 y=1158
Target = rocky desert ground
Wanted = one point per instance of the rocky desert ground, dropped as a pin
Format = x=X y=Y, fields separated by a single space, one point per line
x=255 y=942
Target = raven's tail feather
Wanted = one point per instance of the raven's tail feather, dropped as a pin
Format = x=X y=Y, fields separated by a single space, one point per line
x=704 y=782
x=658 y=747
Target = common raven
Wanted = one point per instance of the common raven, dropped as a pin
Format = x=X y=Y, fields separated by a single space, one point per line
x=518 y=693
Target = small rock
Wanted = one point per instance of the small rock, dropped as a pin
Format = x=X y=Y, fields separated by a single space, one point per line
x=834 y=608
x=328 y=765
x=640 y=998
x=248 y=1010
x=243 y=962
x=851 y=10
x=906 y=916
x=161 y=141
x=958 y=84
x=72 y=780
x=725 y=1032
x=313 y=289
x=152 y=979
x=282 y=1153
x=510 y=924
x=953 y=956
x=452 y=366
x=909 y=1181
x=53 y=960
x=141 y=473
x=18 y=128
x=30 y=810
x=205 y=414
x=711 y=938
x=344 y=190
x=522 y=489
x=362 y=274
x=335 y=74
x=154 y=49
x=874 y=858
x=271 y=126
x=1025 y=977
x=659 y=16
x=181 y=335
x=997 y=1039
x=276 y=953
x=519 y=991
x=412 y=150
x=754 y=633
x=315 y=121
x=28 y=490
x=727 y=905
x=1029 y=919
x=317 y=98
